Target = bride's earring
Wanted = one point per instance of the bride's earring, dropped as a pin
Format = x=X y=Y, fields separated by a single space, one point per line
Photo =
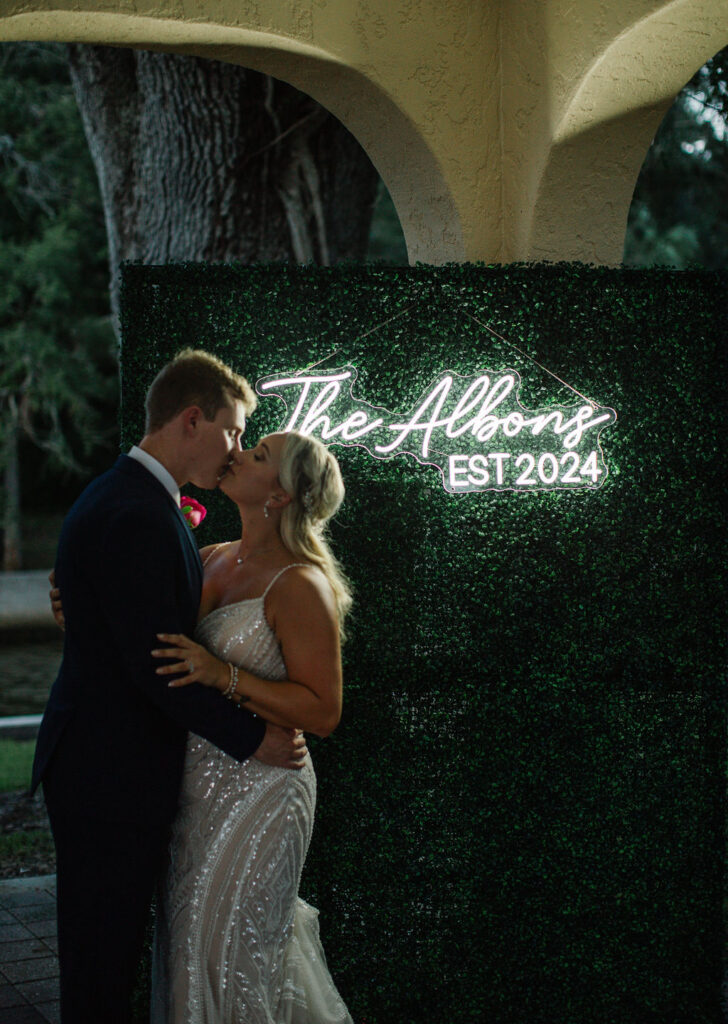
x=266 y=510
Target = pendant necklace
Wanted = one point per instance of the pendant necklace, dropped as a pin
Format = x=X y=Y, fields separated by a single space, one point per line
x=244 y=558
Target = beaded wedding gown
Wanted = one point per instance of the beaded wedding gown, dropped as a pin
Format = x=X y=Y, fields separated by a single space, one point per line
x=233 y=943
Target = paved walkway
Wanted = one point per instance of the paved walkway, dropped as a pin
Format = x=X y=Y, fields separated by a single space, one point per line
x=28 y=945
x=28 y=951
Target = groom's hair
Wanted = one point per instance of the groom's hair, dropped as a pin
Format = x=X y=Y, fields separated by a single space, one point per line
x=195 y=377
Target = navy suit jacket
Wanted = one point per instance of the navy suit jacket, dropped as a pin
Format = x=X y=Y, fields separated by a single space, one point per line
x=112 y=741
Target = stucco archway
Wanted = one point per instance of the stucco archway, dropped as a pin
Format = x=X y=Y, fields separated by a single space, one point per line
x=503 y=131
x=407 y=165
x=584 y=192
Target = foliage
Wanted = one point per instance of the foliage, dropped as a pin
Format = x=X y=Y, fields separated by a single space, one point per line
x=386 y=240
x=57 y=351
x=679 y=216
x=16 y=762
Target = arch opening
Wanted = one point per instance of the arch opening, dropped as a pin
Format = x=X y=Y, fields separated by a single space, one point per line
x=589 y=169
x=678 y=216
x=401 y=155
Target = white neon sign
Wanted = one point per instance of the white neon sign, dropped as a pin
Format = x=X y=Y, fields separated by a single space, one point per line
x=473 y=429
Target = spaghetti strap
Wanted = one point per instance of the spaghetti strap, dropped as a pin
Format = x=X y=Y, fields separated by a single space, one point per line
x=293 y=565
x=216 y=546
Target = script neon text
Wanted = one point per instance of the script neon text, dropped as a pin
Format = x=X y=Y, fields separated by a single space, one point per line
x=448 y=426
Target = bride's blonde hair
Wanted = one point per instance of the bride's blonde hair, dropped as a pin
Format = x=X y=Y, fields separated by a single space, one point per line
x=310 y=474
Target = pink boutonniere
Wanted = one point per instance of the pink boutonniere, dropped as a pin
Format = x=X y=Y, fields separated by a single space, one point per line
x=193 y=511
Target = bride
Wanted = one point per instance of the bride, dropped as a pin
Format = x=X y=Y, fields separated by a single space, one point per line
x=233 y=940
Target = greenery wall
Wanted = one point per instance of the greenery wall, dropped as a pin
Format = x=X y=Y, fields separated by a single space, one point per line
x=521 y=813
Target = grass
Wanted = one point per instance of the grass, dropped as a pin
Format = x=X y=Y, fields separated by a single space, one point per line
x=26 y=853
x=16 y=763
x=26 y=847
x=19 y=847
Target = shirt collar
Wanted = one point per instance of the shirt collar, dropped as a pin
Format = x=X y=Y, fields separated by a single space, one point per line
x=157 y=470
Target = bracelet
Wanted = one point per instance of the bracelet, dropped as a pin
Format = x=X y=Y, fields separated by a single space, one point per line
x=232 y=686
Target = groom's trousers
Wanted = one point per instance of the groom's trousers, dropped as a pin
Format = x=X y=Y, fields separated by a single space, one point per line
x=106 y=874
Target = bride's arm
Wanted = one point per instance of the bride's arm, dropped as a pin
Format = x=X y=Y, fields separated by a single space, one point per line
x=303 y=617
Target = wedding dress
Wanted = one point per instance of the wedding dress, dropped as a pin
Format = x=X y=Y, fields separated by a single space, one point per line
x=234 y=944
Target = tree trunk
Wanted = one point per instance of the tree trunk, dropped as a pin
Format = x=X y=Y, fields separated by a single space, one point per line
x=12 y=558
x=199 y=160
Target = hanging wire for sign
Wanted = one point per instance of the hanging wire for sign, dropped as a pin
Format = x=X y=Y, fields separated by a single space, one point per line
x=351 y=427
x=485 y=327
x=525 y=355
x=366 y=334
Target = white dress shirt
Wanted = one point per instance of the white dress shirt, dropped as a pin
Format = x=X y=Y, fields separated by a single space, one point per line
x=156 y=468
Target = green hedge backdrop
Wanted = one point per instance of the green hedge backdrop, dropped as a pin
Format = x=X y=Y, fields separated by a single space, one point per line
x=521 y=814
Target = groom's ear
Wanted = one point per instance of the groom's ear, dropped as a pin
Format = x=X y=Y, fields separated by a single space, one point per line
x=190 y=419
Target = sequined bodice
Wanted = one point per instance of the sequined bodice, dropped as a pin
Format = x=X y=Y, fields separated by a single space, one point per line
x=240 y=633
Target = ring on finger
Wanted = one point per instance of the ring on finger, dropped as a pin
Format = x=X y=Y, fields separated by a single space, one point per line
x=191 y=666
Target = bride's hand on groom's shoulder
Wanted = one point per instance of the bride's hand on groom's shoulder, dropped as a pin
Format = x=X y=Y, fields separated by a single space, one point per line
x=191 y=663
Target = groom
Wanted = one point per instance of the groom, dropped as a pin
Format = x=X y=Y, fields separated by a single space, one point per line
x=112 y=741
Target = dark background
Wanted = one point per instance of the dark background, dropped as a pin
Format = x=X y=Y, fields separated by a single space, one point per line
x=521 y=814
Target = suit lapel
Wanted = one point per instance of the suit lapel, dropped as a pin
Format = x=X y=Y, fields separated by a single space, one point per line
x=187 y=531
x=130 y=467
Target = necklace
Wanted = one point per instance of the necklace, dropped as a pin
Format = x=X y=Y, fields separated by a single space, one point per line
x=243 y=558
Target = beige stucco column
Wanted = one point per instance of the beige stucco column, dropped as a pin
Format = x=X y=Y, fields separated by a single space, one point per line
x=593 y=80
x=504 y=129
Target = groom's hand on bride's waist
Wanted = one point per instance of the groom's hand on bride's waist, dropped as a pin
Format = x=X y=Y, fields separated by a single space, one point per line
x=282 y=748
x=55 y=598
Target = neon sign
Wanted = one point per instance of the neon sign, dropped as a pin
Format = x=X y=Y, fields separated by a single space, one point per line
x=473 y=429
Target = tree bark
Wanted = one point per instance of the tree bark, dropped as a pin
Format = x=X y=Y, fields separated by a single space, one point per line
x=199 y=160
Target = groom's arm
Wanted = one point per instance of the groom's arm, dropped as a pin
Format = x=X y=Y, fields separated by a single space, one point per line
x=142 y=585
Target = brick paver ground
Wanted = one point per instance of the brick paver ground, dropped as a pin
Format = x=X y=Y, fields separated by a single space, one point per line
x=28 y=951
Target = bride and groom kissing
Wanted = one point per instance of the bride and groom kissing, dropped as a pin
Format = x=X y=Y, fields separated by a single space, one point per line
x=153 y=784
